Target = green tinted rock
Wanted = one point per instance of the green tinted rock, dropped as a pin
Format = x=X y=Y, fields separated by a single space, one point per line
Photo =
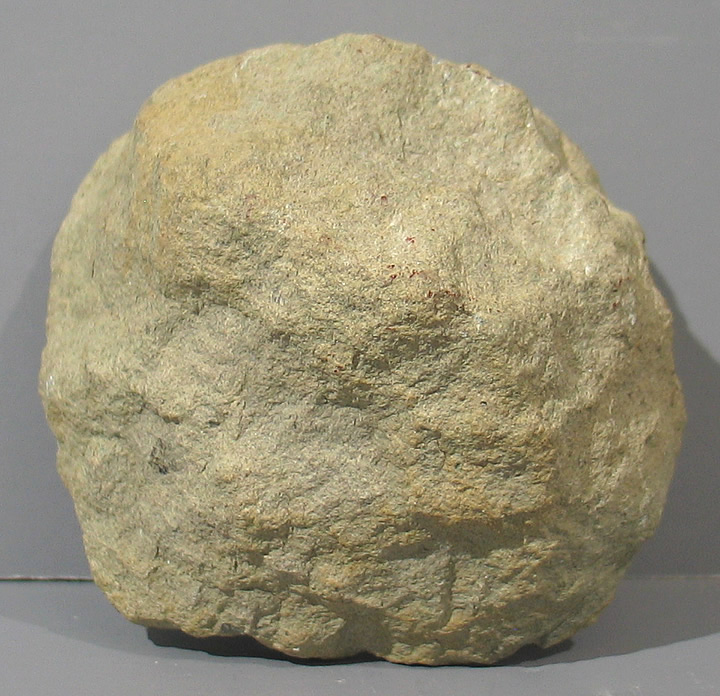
x=347 y=350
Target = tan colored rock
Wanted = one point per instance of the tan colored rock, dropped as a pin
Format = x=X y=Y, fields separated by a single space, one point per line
x=347 y=350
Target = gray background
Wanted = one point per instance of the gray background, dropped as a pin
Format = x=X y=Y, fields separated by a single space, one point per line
x=658 y=638
x=634 y=83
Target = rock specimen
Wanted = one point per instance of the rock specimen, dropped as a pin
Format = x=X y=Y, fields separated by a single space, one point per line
x=348 y=351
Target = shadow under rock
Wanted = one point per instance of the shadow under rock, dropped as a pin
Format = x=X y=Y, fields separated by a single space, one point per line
x=241 y=646
x=244 y=646
x=534 y=653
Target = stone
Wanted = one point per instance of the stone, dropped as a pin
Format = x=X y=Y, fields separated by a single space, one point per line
x=347 y=350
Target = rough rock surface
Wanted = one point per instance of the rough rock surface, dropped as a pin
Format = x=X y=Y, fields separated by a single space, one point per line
x=347 y=350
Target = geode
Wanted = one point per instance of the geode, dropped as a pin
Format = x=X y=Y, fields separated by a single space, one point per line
x=348 y=351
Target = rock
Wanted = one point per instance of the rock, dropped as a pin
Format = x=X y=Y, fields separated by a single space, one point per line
x=348 y=351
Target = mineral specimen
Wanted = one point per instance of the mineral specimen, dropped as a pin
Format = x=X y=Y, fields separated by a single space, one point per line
x=348 y=351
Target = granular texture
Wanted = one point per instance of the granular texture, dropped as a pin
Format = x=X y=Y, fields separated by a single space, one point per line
x=348 y=351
